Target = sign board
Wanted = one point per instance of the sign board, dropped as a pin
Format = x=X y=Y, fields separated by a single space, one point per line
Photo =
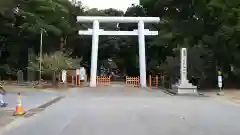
x=77 y=71
x=82 y=73
x=220 y=81
x=64 y=75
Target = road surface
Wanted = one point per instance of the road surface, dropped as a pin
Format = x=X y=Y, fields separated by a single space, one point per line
x=30 y=100
x=115 y=111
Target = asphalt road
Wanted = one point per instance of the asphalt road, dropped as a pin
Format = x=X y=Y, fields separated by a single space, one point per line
x=121 y=111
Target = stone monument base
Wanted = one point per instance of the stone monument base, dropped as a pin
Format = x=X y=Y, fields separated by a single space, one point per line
x=186 y=88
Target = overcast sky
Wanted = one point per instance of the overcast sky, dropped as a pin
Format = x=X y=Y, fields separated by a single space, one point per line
x=104 y=4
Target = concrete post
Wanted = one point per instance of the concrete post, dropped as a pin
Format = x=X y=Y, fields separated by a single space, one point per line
x=183 y=70
x=142 y=57
x=94 y=57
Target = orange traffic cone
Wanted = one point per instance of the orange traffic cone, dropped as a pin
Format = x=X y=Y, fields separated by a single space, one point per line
x=19 y=108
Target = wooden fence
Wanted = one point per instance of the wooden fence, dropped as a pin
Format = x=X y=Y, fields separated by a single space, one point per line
x=132 y=81
x=159 y=81
x=103 y=80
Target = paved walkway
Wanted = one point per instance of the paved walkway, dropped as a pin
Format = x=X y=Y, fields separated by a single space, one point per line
x=30 y=100
x=231 y=95
x=122 y=111
x=5 y=118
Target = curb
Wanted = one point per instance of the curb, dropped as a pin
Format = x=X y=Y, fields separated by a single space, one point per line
x=164 y=91
x=42 y=107
x=16 y=122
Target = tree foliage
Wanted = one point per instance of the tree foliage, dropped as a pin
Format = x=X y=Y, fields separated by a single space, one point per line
x=208 y=28
x=55 y=63
x=212 y=26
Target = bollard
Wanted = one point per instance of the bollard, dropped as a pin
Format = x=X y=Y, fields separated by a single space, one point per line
x=150 y=81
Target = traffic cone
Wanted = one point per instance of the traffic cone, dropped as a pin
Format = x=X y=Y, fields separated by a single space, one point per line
x=19 y=108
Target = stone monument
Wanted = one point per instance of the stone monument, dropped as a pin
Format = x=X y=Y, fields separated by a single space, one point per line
x=184 y=87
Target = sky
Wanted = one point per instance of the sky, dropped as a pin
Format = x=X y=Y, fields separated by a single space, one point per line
x=104 y=4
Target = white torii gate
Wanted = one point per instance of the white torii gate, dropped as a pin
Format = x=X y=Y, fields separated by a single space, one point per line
x=95 y=32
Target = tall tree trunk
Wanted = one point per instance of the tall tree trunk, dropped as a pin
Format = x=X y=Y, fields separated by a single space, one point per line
x=59 y=77
x=54 y=78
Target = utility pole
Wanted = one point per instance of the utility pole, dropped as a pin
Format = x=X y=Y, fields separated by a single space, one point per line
x=40 y=55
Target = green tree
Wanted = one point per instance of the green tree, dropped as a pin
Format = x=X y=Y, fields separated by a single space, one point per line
x=211 y=25
x=54 y=63
x=21 y=22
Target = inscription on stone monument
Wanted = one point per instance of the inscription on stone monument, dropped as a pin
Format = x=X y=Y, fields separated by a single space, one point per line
x=183 y=64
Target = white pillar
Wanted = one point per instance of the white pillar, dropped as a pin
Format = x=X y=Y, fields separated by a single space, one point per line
x=183 y=72
x=142 y=57
x=94 y=57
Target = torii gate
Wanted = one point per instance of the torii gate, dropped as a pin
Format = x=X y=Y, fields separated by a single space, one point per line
x=95 y=32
